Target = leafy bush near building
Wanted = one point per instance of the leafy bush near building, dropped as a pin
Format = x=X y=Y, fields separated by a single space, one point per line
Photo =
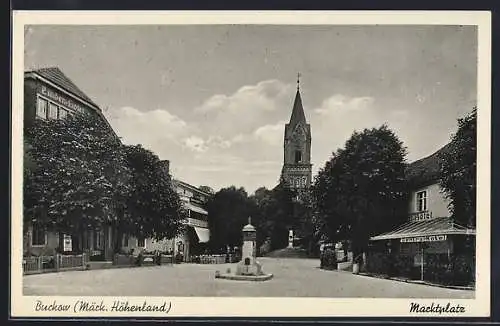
x=328 y=259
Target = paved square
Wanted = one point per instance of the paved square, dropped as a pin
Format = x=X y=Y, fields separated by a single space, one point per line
x=292 y=278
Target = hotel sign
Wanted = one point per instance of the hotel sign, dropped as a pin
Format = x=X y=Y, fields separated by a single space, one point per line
x=429 y=238
x=60 y=99
x=420 y=216
x=196 y=222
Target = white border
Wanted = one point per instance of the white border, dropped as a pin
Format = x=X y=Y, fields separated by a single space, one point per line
x=296 y=307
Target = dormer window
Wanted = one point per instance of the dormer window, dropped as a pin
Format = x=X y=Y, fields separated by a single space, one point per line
x=421 y=201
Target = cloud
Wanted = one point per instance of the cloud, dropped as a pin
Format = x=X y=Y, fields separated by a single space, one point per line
x=271 y=134
x=196 y=144
x=339 y=103
x=248 y=108
x=260 y=97
x=146 y=127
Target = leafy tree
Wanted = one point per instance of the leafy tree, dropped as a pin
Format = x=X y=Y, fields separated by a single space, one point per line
x=458 y=171
x=153 y=207
x=78 y=175
x=229 y=210
x=361 y=191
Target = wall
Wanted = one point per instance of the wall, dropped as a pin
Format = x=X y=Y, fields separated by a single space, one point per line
x=437 y=203
x=48 y=249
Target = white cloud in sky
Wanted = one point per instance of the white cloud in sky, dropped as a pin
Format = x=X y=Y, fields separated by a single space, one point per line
x=232 y=139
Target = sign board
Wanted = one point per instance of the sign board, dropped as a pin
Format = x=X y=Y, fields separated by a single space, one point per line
x=67 y=243
x=421 y=216
x=196 y=222
x=55 y=96
x=429 y=238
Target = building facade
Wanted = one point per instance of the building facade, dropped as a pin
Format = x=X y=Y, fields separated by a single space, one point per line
x=429 y=239
x=196 y=234
x=297 y=167
x=50 y=94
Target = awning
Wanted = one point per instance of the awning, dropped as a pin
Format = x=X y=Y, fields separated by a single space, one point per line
x=425 y=228
x=196 y=209
x=202 y=233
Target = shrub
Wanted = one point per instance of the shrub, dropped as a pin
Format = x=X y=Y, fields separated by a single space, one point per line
x=329 y=259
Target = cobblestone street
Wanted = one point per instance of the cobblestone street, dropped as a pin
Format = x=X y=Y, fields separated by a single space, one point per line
x=292 y=278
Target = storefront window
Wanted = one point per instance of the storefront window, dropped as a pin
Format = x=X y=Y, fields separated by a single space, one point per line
x=41 y=108
x=421 y=201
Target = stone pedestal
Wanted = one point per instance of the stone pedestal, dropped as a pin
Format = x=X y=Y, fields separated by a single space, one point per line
x=248 y=269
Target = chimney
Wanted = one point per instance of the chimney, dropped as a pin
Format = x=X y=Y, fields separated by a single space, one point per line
x=166 y=166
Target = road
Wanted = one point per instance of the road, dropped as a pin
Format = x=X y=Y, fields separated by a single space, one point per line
x=293 y=277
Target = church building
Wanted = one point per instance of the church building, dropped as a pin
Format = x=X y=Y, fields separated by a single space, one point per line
x=297 y=167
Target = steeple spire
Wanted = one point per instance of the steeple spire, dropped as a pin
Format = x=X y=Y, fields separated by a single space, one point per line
x=298 y=110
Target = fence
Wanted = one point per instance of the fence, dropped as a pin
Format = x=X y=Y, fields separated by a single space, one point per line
x=438 y=268
x=42 y=264
x=213 y=259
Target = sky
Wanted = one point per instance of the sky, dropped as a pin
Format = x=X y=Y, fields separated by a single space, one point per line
x=214 y=99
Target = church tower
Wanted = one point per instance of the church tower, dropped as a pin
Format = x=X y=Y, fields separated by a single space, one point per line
x=297 y=167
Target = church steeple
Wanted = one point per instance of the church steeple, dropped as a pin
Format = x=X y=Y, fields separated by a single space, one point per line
x=297 y=111
x=296 y=169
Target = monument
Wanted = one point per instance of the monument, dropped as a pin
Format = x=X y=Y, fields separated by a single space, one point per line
x=248 y=269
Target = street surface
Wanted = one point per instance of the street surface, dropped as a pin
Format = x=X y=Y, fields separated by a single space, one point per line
x=293 y=277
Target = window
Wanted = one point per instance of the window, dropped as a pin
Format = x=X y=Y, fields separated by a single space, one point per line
x=53 y=111
x=125 y=240
x=141 y=242
x=38 y=236
x=421 y=201
x=62 y=113
x=41 y=108
x=298 y=156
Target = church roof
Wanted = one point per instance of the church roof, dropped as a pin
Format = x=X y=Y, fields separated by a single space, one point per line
x=55 y=75
x=298 y=110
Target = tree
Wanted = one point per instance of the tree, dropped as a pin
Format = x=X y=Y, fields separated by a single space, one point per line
x=153 y=207
x=458 y=171
x=78 y=176
x=361 y=191
x=229 y=210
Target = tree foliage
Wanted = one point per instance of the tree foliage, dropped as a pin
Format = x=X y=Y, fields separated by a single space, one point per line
x=361 y=190
x=229 y=210
x=78 y=176
x=458 y=171
x=154 y=209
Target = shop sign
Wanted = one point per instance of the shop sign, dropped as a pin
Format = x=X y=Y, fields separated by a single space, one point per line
x=421 y=216
x=67 y=243
x=429 y=238
x=61 y=100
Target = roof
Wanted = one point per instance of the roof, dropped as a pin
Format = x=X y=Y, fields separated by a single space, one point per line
x=248 y=228
x=55 y=75
x=427 y=169
x=430 y=227
x=298 y=110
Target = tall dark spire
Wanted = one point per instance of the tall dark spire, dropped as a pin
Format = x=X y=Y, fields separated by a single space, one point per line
x=298 y=111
